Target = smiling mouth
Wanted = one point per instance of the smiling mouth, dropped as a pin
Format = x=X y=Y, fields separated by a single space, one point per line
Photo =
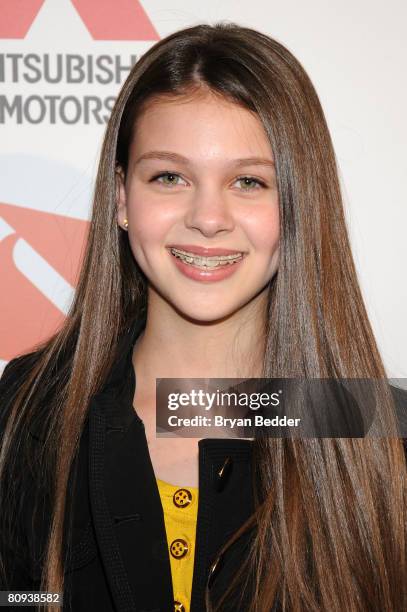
x=206 y=262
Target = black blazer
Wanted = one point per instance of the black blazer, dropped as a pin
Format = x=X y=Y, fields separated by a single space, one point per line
x=118 y=559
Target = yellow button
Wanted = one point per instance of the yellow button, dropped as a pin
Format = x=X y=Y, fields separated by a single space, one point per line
x=182 y=498
x=179 y=607
x=179 y=548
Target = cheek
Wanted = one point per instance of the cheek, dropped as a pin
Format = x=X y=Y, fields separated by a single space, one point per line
x=263 y=230
x=148 y=222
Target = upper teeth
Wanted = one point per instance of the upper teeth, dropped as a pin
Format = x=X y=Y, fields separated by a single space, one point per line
x=206 y=261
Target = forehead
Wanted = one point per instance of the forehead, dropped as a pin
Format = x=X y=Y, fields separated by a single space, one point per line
x=200 y=126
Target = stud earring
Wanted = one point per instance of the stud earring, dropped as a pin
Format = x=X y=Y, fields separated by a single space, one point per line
x=125 y=223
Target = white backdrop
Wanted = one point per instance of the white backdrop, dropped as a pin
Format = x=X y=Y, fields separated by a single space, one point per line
x=356 y=55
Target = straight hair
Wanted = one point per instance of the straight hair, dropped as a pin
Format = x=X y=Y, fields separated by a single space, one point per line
x=330 y=524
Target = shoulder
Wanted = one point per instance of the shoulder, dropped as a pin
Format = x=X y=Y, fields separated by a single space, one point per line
x=14 y=374
x=33 y=416
x=17 y=366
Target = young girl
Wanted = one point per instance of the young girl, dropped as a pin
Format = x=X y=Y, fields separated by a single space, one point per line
x=217 y=146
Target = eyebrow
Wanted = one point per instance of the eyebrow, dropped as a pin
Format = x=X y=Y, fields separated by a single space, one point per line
x=176 y=157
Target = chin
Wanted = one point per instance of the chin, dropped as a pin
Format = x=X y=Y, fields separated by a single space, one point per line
x=205 y=313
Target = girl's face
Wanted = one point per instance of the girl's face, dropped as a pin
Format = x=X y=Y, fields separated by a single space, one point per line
x=201 y=176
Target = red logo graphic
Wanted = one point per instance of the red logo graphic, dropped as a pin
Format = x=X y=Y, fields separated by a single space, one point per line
x=40 y=255
x=104 y=19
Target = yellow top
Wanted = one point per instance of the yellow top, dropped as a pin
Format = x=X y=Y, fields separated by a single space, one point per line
x=180 y=506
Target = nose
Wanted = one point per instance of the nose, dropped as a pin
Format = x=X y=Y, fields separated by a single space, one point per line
x=209 y=213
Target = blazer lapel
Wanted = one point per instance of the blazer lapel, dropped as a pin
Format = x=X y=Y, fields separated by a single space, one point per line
x=128 y=515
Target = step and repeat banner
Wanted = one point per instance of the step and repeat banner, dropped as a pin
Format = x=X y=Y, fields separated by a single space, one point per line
x=61 y=66
x=62 y=63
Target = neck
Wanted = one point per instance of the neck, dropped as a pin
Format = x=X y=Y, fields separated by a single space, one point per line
x=173 y=346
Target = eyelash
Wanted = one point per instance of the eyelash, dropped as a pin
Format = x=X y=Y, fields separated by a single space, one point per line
x=261 y=183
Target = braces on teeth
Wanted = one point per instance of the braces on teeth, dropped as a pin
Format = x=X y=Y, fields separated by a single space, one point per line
x=208 y=262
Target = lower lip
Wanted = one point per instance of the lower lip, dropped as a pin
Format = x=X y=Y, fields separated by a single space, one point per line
x=216 y=274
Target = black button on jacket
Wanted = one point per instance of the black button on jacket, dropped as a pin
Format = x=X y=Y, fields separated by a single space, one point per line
x=119 y=558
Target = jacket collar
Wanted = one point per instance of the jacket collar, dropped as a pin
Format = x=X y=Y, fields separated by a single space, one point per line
x=123 y=355
x=117 y=392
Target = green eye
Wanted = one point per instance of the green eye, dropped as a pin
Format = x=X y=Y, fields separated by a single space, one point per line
x=251 y=181
x=170 y=175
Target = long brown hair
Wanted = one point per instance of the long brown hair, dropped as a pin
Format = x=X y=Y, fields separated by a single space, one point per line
x=330 y=519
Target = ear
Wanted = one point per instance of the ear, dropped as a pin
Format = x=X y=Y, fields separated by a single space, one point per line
x=121 y=198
